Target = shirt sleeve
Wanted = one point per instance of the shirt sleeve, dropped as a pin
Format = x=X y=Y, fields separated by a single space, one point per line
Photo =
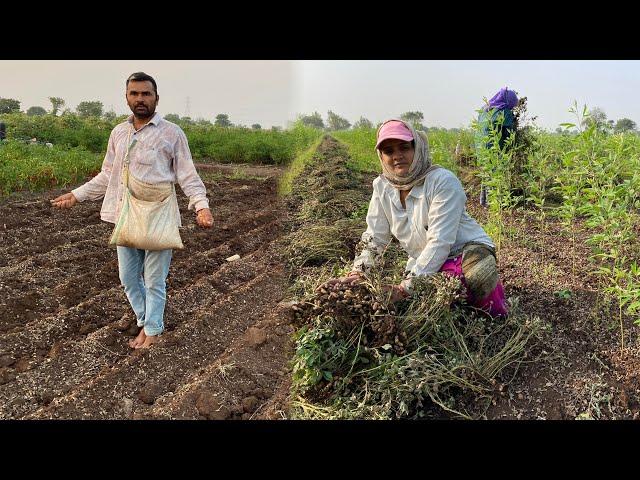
x=376 y=237
x=187 y=176
x=443 y=220
x=96 y=188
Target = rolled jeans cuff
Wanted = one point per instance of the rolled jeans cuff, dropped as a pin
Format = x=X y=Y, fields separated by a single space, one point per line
x=150 y=332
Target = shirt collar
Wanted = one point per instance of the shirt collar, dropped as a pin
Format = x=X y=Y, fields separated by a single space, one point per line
x=417 y=191
x=155 y=120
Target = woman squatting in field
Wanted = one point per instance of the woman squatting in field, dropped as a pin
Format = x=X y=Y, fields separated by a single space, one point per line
x=423 y=206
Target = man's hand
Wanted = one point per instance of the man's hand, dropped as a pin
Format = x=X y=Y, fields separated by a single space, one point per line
x=204 y=218
x=67 y=200
x=353 y=278
x=397 y=292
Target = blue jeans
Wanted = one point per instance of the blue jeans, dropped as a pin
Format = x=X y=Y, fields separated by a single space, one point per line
x=143 y=274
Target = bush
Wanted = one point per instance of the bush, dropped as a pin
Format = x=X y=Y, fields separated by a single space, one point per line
x=37 y=167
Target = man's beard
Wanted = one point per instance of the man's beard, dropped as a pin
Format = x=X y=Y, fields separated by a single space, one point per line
x=143 y=114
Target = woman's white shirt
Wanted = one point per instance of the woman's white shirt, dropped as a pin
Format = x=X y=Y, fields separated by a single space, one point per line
x=433 y=227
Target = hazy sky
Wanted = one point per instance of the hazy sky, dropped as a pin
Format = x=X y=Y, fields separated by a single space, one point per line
x=449 y=92
x=249 y=92
x=274 y=92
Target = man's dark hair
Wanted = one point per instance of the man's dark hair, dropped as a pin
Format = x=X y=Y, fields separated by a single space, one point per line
x=142 y=77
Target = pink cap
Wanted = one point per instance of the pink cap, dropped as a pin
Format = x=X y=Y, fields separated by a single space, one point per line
x=394 y=129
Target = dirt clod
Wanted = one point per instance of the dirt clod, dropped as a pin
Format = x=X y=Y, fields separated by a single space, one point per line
x=7 y=375
x=256 y=336
x=150 y=393
x=208 y=406
x=249 y=404
x=23 y=365
x=125 y=322
x=6 y=361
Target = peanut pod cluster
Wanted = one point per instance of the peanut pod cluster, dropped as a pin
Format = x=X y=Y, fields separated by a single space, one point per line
x=355 y=307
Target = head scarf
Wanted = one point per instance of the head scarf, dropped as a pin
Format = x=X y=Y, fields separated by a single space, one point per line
x=420 y=165
x=505 y=98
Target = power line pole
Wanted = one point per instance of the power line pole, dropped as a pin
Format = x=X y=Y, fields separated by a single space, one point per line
x=187 y=107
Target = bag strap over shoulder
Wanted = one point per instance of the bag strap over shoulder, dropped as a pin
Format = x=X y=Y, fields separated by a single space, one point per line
x=125 y=161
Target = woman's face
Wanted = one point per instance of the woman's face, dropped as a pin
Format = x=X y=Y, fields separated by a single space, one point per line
x=397 y=155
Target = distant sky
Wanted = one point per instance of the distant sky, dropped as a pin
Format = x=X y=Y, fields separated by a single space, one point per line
x=449 y=92
x=249 y=92
x=274 y=92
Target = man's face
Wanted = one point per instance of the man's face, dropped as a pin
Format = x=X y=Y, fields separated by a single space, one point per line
x=142 y=98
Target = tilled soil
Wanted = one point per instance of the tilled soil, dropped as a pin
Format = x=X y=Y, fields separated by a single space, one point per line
x=65 y=321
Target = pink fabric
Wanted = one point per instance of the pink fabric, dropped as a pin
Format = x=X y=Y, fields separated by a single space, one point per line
x=394 y=129
x=495 y=303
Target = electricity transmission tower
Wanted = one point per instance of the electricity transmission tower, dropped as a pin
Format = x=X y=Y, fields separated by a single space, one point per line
x=187 y=107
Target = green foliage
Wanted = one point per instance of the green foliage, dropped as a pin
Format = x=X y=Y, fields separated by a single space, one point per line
x=9 y=105
x=242 y=145
x=37 y=167
x=172 y=117
x=625 y=125
x=597 y=119
x=314 y=120
x=296 y=167
x=222 y=120
x=36 y=111
x=336 y=122
x=110 y=116
x=226 y=145
x=363 y=123
x=67 y=130
x=591 y=176
x=415 y=119
x=89 y=109
x=502 y=163
x=318 y=355
x=56 y=104
x=360 y=144
x=495 y=166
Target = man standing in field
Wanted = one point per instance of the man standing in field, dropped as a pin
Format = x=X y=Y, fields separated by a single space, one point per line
x=161 y=155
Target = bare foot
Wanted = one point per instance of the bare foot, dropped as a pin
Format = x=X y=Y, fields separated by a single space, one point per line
x=148 y=341
x=139 y=340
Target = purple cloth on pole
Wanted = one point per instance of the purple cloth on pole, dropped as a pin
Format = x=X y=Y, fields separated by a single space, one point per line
x=505 y=98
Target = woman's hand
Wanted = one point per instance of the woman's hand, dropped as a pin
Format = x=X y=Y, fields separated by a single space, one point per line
x=397 y=292
x=353 y=278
